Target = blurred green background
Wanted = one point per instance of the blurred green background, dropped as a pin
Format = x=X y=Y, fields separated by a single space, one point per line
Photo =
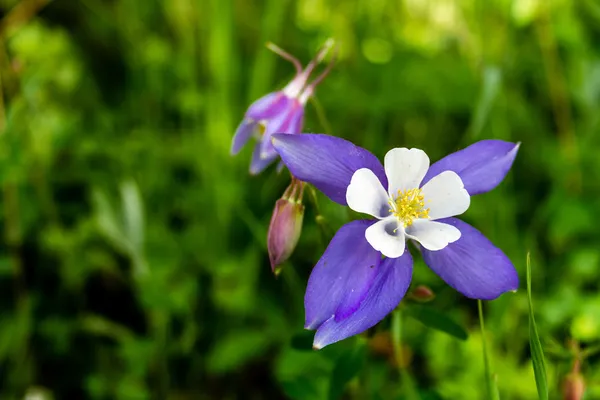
x=133 y=258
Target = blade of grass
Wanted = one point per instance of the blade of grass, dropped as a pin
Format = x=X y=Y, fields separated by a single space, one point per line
x=490 y=382
x=537 y=353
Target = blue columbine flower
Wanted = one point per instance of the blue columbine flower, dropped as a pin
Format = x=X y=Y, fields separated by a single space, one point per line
x=353 y=287
x=278 y=112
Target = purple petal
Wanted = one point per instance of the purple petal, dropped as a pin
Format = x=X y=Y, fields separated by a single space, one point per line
x=481 y=166
x=473 y=265
x=386 y=291
x=326 y=161
x=258 y=163
x=268 y=106
x=342 y=277
x=296 y=121
x=242 y=134
x=289 y=121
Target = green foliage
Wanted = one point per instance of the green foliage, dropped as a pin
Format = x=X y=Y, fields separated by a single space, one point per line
x=346 y=367
x=537 y=353
x=434 y=319
x=133 y=257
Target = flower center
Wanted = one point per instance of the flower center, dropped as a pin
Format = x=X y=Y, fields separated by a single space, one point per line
x=261 y=127
x=409 y=205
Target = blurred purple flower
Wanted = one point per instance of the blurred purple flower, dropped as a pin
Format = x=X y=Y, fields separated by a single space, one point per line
x=353 y=287
x=286 y=225
x=278 y=112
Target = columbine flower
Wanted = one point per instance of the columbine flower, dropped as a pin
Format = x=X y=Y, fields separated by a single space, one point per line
x=286 y=225
x=352 y=287
x=278 y=112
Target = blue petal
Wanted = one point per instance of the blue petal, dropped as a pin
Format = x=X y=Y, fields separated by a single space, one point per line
x=289 y=121
x=473 y=265
x=481 y=166
x=386 y=291
x=258 y=163
x=326 y=161
x=242 y=134
x=268 y=106
x=342 y=277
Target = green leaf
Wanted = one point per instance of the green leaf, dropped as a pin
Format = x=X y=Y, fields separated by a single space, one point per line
x=434 y=319
x=133 y=214
x=492 y=80
x=235 y=349
x=347 y=366
x=302 y=388
x=537 y=354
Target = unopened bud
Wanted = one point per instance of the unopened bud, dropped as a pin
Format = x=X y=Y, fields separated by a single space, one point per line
x=573 y=386
x=422 y=294
x=286 y=225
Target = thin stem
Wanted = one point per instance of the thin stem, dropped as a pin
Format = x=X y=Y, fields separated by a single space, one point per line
x=301 y=195
x=295 y=288
x=321 y=115
x=313 y=197
x=486 y=361
x=408 y=384
x=13 y=237
x=285 y=55
x=319 y=219
x=19 y=15
x=396 y=337
x=294 y=187
x=286 y=193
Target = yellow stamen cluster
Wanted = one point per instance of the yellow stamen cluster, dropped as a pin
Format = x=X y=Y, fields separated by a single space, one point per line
x=409 y=205
x=262 y=127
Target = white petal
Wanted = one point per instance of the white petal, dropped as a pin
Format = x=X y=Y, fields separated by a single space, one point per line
x=387 y=236
x=405 y=169
x=445 y=195
x=431 y=234
x=365 y=194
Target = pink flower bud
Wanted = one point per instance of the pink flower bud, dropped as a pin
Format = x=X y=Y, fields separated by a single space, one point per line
x=286 y=225
x=573 y=387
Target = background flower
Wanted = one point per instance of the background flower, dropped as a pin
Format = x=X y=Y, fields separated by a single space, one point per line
x=278 y=112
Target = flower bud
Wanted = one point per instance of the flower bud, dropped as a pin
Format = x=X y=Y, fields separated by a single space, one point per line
x=286 y=225
x=573 y=387
x=422 y=294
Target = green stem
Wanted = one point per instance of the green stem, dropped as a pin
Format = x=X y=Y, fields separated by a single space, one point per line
x=486 y=360
x=396 y=338
x=313 y=198
x=408 y=385
x=13 y=239
x=292 y=280
x=321 y=115
x=319 y=217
